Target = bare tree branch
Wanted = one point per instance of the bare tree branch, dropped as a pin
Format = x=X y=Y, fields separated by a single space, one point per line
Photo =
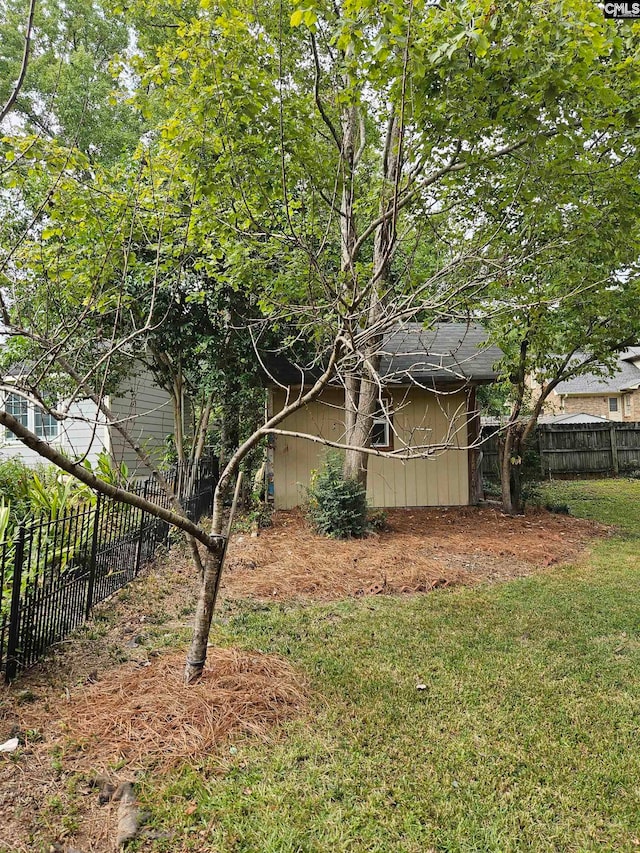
x=5 y=110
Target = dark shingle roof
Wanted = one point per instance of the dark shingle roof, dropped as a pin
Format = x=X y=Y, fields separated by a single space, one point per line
x=448 y=352
x=626 y=378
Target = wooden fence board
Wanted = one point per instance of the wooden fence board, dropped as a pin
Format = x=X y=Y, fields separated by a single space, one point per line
x=575 y=449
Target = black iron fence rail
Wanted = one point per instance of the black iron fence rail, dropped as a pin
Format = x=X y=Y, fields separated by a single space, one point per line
x=54 y=570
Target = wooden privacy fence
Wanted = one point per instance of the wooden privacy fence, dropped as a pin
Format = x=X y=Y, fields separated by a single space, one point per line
x=564 y=449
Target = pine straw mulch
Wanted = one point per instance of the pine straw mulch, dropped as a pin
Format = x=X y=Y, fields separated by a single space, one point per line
x=144 y=715
x=147 y=714
x=136 y=717
x=421 y=549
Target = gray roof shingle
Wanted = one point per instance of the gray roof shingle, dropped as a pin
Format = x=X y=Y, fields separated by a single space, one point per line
x=448 y=352
x=626 y=378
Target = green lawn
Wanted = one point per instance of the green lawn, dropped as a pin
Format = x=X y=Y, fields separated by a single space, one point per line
x=526 y=738
x=611 y=501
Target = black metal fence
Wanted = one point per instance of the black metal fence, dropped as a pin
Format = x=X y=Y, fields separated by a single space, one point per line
x=54 y=570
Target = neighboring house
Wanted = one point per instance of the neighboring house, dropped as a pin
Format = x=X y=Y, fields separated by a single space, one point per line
x=143 y=407
x=429 y=377
x=616 y=397
x=578 y=418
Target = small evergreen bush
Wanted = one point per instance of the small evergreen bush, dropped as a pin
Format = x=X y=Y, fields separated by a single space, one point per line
x=337 y=507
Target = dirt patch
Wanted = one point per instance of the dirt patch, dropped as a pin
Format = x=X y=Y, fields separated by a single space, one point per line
x=135 y=716
x=421 y=549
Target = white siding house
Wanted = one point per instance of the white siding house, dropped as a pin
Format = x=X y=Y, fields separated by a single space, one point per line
x=141 y=405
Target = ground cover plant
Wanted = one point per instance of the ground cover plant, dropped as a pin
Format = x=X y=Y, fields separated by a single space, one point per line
x=491 y=717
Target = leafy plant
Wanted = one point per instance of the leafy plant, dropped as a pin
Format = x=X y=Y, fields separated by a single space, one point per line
x=491 y=488
x=377 y=519
x=559 y=507
x=109 y=472
x=6 y=526
x=337 y=507
x=14 y=487
x=52 y=493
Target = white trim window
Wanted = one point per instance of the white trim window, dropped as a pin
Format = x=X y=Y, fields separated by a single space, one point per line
x=381 y=431
x=613 y=404
x=18 y=407
x=627 y=405
x=31 y=416
x=44 y=424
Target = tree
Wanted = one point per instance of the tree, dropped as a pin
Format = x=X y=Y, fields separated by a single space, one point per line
x=64 y=59
x=335 y=164
x=566 y=299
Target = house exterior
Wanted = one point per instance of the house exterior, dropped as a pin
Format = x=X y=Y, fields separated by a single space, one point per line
x=430 y=379
x=139 y=403
x=616 y=398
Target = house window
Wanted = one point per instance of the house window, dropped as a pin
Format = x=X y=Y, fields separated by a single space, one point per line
x=613 y=404
x=627 y=404
x=45 y=425
x=18 y=407
x=381 y=432
x=31 y=417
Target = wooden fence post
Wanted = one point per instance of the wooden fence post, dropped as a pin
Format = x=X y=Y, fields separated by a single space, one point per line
x=92 y=559
x=614 y=449
x=539 y=441
x=14 y=617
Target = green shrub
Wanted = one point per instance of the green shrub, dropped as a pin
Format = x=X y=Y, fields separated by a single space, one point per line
x=491 y=488
x=531 y=494
x=377 y=520
x=559 y=507
x=337 y=507
x=15 y=477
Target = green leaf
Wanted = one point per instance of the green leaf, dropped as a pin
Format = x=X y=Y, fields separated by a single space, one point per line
x=482 y=45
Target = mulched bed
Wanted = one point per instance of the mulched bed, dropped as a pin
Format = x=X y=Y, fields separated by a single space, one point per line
x=422 y=549
x=135 y=717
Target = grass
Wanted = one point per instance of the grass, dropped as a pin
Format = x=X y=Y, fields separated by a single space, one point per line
x=524 y=738
x=610 y=501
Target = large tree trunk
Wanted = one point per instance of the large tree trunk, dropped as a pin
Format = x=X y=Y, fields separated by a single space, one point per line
x=355 y=460
x=368 y=392
x=476 y=493
x=212 y=573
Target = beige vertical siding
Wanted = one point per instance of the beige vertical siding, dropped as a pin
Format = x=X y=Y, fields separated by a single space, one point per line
x=421 y=418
